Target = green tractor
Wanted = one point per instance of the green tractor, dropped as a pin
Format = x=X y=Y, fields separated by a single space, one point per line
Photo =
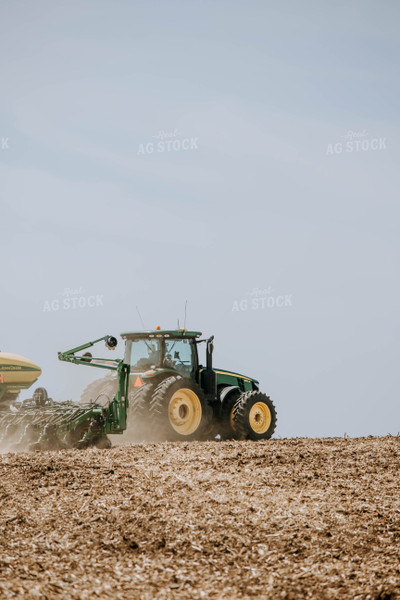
x=162 y=391
x=159 y=390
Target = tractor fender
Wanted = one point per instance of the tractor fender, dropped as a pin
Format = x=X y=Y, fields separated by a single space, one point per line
x=226 y=391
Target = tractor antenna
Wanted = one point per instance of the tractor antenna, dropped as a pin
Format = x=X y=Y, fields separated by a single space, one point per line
x=140 y=317
x=184 y=324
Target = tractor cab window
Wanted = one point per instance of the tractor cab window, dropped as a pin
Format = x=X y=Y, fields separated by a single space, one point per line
x=145 y=354
x=179 y=354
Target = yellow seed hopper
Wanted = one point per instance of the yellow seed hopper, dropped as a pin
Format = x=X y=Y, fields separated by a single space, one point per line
x=16 y=373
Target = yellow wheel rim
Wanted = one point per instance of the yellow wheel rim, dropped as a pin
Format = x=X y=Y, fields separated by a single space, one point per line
x=260 y=417
x=184 y=411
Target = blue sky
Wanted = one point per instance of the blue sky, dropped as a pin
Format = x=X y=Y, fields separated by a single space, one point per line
x=261 y=91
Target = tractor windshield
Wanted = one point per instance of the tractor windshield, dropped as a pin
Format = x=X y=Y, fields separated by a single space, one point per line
x=180 y=355
x=145 y=354
x=168 y=353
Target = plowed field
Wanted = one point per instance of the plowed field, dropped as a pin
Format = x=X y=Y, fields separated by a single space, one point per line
x=295 y=518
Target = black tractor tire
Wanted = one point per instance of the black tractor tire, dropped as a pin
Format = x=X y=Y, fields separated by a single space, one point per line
x=229 y=399
x=138 y=425
x=210 y=428
x=179 y=410
x=254 y=416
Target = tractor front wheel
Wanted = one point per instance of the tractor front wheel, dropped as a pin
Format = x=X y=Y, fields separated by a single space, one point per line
x=254 y=416
x=179 y=409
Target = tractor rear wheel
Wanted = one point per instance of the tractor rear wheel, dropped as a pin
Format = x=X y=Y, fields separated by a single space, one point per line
x=229 y=396
x=138 y=425
x=101 y=391
x=254 y=416
x=179 y=409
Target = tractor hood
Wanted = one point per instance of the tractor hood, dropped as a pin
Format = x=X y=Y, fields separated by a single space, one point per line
x=231 y=375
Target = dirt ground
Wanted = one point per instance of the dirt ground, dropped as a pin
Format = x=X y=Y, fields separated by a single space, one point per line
x=291 y=519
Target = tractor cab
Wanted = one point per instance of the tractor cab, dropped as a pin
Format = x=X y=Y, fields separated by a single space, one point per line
x=148 y=351
x=163 y=350
x=153 y=352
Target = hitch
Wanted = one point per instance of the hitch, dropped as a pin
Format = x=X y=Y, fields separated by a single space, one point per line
x=115 y=414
